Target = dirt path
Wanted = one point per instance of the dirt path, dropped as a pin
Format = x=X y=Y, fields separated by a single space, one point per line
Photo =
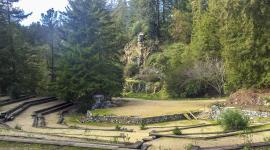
x=25 y=119
x=52 y=119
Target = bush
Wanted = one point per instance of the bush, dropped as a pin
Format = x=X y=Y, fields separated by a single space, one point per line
x=18 y=127
x=267 y=98
x=131 y=70
x=177 y=131
x=14 y=91
x=267 y=139
x=233 y=120
x=189 y=147
x=149 y=75
x=142 y=126
x=118 y=127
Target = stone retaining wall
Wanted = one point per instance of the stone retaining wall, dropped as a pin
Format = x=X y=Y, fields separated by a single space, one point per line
x=136 y=120
x=216 y=111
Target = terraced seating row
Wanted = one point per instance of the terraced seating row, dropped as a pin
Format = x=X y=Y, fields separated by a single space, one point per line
x=39 y=120
x=10 y=101
x=52 y=109
x=12 y=113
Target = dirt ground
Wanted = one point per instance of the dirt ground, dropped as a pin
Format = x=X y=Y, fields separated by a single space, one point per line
x=181 y=144
x=144 y=108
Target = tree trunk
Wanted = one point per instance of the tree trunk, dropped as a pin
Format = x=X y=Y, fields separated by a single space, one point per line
x=163 y=11
x=157 y=19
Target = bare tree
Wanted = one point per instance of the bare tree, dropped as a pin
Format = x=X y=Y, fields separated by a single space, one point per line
x=211 y=71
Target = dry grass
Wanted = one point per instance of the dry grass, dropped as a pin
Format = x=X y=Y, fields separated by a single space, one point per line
x=145 y=108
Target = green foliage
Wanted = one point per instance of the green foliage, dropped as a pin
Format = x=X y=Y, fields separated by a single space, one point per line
x=189 y=147
x=177 y=131
x=20 y=71
x=246 y=48
x=14 y=91
x=161 y=95
x=233 y=120
x=266 y=139
x=84 y=46
x=131 y=70
x=91 y=62
x=77 y=80
x=149 y=75
x=143 y=126
x=118 y=127
x=18 y=127
x=137 y=28
x=267 y=98
x=102 y=112
x=181 y=26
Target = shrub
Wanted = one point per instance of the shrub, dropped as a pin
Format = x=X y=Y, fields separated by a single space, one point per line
x=14 y=91
x=267 y=98
x=131 y=70
x=267 y=139
x=18 y=127
x=150 y=75
x=142 y=126
x=233 y=120
x=189 y=147
x=118 y=127
x=177 y=131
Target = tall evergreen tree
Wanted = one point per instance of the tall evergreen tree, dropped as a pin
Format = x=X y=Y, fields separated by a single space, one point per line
x=245 y=37
x=91 y=64
x=50 y=22
x=205 y=40
x=19 y=62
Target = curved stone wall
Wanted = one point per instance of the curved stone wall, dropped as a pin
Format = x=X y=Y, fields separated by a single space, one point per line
x=137 y=120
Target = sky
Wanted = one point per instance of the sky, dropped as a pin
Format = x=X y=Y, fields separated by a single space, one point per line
x=39 y=6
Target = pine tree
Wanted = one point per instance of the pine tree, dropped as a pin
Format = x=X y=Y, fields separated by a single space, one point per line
x=91 y=63
x=246 y=44
x=50 y=22
x=205 y=40
x=19 y=61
